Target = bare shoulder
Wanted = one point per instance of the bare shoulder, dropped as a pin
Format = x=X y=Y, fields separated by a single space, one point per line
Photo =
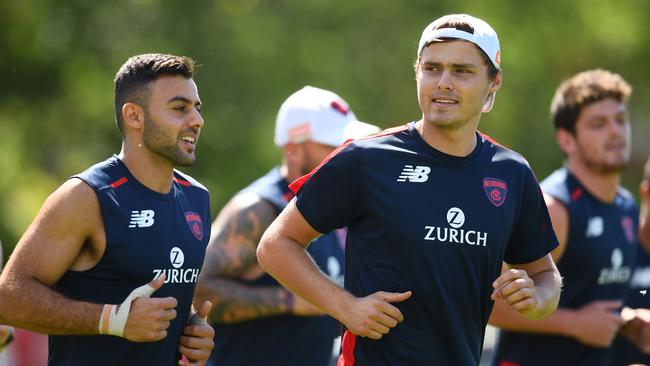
x=236 y=234
x=560 y=219
x=555 y=206
x=69 y=218
x=246 y=215
x=248 y=205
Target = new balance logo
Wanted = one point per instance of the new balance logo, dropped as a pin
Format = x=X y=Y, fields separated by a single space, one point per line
x=142 y=218
x=418 y=174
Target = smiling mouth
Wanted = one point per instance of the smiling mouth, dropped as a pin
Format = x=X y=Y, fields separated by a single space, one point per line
x=189 y=139
x=444 y=101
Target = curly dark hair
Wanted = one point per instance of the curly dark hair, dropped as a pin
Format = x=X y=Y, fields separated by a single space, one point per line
x=583 y=89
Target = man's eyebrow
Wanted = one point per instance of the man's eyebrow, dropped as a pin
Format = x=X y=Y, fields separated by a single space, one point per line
x=456 y=65
x=179 y=98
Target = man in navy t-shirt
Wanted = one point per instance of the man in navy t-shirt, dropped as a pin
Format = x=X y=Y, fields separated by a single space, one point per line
x=83 y=271
x=432 y=209
x=596 y=222
x=257 y=321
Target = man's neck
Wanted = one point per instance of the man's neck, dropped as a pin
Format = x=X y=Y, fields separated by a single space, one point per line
x=452 y=141
x=289 y=173
x=153 y=171
x=602 y=186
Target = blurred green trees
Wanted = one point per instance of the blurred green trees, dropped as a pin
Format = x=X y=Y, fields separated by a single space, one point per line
x=58 y=59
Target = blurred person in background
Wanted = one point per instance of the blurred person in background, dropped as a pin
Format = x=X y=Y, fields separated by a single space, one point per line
x=596 y=222
x=631 y=348
x=83 y=270
x=432 y=208
x=256 y=320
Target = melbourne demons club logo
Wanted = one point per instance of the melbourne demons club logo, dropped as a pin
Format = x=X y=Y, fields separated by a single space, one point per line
x=628 y=228
x=195 y=223
x=496 y=190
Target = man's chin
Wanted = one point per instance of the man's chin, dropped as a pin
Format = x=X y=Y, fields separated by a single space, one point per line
x=185 y=160
x=614 y=168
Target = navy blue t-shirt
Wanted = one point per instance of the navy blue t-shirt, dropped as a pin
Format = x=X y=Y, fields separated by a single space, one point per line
x=285 y=339
x=595 y=265
x=625 y=353
x=147 y=233
x=431 y=223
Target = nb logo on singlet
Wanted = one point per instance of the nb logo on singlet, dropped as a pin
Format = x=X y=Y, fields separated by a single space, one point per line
x=142 y=218
x=595 y=227
x=419 y=174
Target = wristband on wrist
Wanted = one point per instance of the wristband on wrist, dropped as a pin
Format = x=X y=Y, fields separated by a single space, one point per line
x=113 y=318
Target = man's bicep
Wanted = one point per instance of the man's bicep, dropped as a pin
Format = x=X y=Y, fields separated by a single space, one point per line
x=560 y=221
x=55 y=238
x=236 y=233
x=292 y=224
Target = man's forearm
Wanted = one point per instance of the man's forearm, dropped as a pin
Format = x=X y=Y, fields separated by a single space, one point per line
x=288 y=262
x=507 y=318
x=235 y=302
x=547 y=286
x=33 y=306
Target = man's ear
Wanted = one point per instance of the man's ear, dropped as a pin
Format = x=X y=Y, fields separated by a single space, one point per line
x=133 y=115
x=566 y=140
x=496 y=82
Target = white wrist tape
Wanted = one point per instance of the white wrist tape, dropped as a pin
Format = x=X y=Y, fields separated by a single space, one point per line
x=114 y=317
x=195 y=319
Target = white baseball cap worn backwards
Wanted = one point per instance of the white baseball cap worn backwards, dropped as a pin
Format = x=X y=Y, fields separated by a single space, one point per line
x=484 y=36
x=319 y=115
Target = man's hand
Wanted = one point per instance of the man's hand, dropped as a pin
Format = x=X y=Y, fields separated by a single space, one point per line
x=197 y=340
x=149 y=318
x=636 y=327
x=517 y=290
x=373 y=316
x=597 y=323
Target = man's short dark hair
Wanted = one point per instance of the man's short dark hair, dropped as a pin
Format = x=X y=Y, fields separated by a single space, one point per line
x=138 y=72
x=583 y=89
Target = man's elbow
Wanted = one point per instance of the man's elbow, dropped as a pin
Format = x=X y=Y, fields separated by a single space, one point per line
x=264 y=250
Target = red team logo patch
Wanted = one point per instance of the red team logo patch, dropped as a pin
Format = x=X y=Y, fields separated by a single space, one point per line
x=496 y=190
x=195 y=223
x=628 y=228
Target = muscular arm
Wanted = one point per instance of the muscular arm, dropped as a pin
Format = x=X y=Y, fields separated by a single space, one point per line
x=231 y=257
x=282 y=254
x=52 y=244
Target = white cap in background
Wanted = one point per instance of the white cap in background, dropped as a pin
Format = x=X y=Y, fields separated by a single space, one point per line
x=314 y=114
